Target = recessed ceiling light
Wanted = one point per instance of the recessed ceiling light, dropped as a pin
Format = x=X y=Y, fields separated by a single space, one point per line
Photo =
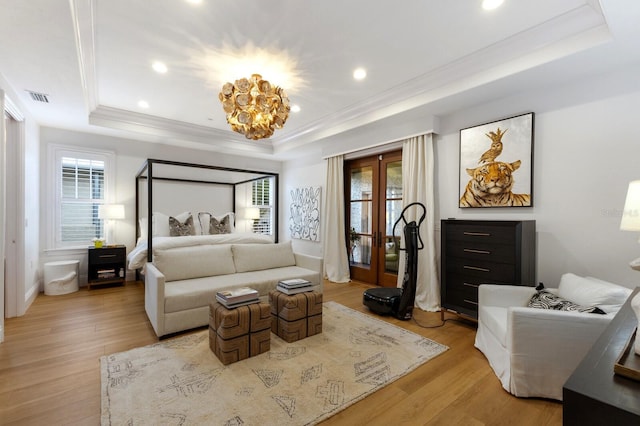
x=143 y=104
x=295 y=108
x=194 y=1
x=359 y=73
x=491 y=4
x=159 y=67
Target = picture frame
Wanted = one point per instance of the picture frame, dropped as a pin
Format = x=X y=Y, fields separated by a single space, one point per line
x=496 y=163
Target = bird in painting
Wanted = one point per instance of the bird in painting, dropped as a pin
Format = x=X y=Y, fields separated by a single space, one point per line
x=496 y=146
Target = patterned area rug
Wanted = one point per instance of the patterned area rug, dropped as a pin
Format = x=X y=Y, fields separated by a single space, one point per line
x=180 y=381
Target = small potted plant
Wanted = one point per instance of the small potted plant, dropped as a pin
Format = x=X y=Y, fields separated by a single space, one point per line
x=98 y=242
x=354 y=238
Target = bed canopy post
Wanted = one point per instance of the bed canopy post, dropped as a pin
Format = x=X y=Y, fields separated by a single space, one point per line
x=149 y=209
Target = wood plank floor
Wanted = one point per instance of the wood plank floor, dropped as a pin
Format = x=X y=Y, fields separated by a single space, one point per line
x=50 y=368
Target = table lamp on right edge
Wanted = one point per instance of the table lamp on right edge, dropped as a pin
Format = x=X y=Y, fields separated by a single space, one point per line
x=631 y=222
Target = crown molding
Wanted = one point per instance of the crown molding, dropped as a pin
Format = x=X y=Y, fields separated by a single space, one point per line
x=176 y=131
x=574 y=31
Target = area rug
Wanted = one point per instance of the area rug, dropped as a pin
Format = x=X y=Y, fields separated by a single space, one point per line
x=180 y=381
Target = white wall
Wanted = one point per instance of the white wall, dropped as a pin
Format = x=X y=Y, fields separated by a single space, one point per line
x=302 y=173
x=586 y=150
x=130 y=156
x=28 y=183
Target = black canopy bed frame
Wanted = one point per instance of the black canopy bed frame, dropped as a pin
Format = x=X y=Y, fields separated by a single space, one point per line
x=154 y=170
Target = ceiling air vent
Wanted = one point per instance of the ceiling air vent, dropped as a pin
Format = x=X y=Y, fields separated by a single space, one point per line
x=38 y=97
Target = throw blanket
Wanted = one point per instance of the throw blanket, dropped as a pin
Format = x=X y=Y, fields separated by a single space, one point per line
x=138 y=256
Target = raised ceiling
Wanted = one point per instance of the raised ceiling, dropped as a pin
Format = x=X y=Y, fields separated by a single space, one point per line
x=93 y=59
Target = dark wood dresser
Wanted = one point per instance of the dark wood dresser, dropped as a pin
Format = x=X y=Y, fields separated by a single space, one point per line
x=594 y=394
x=475 y=252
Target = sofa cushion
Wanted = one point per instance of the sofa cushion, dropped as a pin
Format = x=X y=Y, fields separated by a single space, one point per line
x=181 y=263
x=257 y=257
x=198 y=292
x=591 y=291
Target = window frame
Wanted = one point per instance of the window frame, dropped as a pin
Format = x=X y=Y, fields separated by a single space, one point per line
x=54 y=185
x=255 y=227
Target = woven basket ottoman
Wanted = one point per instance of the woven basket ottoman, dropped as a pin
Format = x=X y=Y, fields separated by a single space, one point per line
x=239 y=333
x=295 y=316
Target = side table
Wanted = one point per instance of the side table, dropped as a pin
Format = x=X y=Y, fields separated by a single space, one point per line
x=107 y=265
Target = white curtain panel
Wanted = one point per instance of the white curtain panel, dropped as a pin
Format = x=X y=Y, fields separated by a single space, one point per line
x=417 y=186
x=336 y=260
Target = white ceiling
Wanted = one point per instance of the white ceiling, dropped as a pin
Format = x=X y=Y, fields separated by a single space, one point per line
x=92 y=58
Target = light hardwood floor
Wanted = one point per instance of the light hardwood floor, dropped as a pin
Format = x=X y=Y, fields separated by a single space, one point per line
x=50 y=368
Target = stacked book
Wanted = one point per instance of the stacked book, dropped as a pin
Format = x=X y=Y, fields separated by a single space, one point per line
x=294 y=286
x=237 y=297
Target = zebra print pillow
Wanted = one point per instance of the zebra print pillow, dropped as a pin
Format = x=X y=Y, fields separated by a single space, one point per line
x=545 y=300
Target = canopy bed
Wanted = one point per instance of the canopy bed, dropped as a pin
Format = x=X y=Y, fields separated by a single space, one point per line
x=183 y=204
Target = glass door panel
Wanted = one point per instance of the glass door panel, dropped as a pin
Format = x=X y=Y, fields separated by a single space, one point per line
x=391 y=197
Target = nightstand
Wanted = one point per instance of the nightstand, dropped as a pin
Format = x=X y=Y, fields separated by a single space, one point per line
x=107 y=265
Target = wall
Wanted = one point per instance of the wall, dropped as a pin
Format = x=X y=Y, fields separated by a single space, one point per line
x=28 y=182
x=586 y=151
x=130 y=156
x=302 y=173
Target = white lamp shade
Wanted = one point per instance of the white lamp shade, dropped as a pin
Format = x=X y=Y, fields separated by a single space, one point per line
x=252 y=213
x=111 y=211
x=631 y=214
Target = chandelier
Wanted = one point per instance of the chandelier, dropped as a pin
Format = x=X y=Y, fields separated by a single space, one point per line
x=254 y=107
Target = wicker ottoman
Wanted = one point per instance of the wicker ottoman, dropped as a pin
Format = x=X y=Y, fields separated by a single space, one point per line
x=239 y=333
x=295 y=316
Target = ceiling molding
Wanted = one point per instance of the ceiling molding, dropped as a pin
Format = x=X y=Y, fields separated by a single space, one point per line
x=175 y=130
x=83 y=18
x=574 y=31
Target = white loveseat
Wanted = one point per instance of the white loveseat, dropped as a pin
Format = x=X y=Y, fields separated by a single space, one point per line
x=533 y=351
x=182 y=281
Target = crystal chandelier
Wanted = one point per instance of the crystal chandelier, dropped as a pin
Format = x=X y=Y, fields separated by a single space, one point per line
x=254 y=107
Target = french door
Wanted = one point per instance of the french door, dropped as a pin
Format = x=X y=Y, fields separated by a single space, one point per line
x=373 y=193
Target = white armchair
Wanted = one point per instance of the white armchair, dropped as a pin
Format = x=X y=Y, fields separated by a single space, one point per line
x=533 y=351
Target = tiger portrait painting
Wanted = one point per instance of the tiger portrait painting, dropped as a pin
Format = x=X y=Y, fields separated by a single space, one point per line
x=496 y=161
x=490 y=186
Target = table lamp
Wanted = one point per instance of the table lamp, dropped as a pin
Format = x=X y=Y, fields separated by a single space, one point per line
x=252 y=214
x=631 y=222
x=109 y=213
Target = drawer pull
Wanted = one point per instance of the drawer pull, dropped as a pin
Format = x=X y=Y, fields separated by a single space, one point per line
x=476 y=268
x=470 y=301
x=477 y=234
x=470 y=285
x=103 y=256
x=476 y=251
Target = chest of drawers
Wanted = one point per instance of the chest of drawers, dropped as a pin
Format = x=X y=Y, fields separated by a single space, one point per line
x=476 y=252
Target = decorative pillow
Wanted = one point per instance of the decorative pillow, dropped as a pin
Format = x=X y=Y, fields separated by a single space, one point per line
x=542 y=299
x=181 y=229
x=592 y=291
x=220 y=226
x=205 y=221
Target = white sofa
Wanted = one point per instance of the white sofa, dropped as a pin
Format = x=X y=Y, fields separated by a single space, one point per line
x=182 y=281
x=533 y=351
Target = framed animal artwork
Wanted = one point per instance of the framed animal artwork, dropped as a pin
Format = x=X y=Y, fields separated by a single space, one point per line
x=496 y=163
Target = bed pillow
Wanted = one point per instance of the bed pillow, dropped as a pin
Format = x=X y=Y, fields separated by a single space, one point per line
x=591 y=291
x=543 y=299
x=222 y=226
x=178 y=228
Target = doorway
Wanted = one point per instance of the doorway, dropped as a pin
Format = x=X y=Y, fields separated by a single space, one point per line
x=373 y=198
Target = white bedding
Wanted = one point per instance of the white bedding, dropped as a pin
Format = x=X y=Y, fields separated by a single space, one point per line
x=138 y=256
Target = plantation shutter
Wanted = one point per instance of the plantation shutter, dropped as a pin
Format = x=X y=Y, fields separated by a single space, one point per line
x=83 y=190
x=261 y=197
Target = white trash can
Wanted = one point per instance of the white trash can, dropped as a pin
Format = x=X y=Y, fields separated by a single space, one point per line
x=61 y=277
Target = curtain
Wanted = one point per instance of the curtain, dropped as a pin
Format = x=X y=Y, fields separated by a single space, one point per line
x=336 y=259
x=417 y=186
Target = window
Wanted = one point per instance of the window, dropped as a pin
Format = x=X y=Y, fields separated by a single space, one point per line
x=262 y=198
x=81 y=185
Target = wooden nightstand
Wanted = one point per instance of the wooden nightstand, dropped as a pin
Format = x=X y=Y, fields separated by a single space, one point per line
x=107 y=265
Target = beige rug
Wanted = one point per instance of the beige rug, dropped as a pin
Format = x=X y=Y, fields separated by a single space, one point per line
x=179 y=381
